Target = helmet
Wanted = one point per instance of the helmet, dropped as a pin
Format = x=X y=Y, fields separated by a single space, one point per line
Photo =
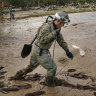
x=62 y=16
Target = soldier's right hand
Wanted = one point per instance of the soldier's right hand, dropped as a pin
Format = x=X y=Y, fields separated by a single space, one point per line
x=69 y=54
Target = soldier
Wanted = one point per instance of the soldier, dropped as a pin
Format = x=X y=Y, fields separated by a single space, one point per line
x=11 y=13
x=47 y=33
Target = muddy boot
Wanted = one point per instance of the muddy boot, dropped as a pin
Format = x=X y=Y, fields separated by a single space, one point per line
x=50 y=81
x=18 y=76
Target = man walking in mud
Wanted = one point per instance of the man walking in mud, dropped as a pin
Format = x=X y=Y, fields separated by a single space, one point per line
x=11 y=13
x=47 y=33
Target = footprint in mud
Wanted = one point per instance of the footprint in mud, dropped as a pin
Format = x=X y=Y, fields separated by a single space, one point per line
x=71 y=70
x=14 y=88
x=1 y=67
x=3 y=72
x=2 y=77
x=94 y=93
x=79 y=76
x=37 y=93
x=33 y=77
x=2 y=84
x=61 y=82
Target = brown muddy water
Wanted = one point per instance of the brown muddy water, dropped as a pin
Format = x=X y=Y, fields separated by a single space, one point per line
x=76 y=77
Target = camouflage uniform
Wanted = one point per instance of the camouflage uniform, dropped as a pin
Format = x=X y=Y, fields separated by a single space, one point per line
x=40 y=51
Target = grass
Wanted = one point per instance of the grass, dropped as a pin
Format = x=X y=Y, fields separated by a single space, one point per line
x=1 y=32
x=62 y=60
x=46 y=13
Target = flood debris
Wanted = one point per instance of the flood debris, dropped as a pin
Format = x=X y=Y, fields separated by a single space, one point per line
x=37 y=93
x=81 y=51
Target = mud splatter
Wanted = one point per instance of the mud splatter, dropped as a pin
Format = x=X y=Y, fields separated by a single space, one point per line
x=37 y=93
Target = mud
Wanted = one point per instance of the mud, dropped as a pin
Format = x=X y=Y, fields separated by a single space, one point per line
x=33 y=77
x=80 y=76
x=77 y=77
x=71 y=70
x=14 y=88
x=37 y=93
x=94 y=93
x=1 y=68
x=61 y=82
x=2 y=84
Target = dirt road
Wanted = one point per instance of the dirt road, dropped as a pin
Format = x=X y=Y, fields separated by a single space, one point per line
x=81 y=32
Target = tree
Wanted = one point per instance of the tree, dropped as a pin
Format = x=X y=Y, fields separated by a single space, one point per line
x=81 y=1
x=1 y=10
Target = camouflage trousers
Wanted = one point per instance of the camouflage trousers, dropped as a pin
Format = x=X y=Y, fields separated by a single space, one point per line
x=11 y=16
x=44 y=60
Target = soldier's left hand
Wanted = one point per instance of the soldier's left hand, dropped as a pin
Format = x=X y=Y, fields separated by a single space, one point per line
x=69 y=54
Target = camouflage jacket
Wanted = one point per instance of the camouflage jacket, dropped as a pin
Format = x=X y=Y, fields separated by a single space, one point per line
x=46 y=37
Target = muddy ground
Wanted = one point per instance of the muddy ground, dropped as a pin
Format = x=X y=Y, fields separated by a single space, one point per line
x=77 y=77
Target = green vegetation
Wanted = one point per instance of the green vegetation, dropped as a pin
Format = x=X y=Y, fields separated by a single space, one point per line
x=43 y=3
x=62 y=60
x=71 y=6
x=0 y=10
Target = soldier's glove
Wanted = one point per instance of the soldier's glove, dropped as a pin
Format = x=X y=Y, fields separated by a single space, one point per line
x=69 y=54
x=56 y=32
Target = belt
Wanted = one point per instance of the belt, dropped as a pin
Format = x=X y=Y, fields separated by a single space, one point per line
x=41 y=50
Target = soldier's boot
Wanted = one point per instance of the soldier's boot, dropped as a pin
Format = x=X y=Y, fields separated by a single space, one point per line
x=50 y=81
